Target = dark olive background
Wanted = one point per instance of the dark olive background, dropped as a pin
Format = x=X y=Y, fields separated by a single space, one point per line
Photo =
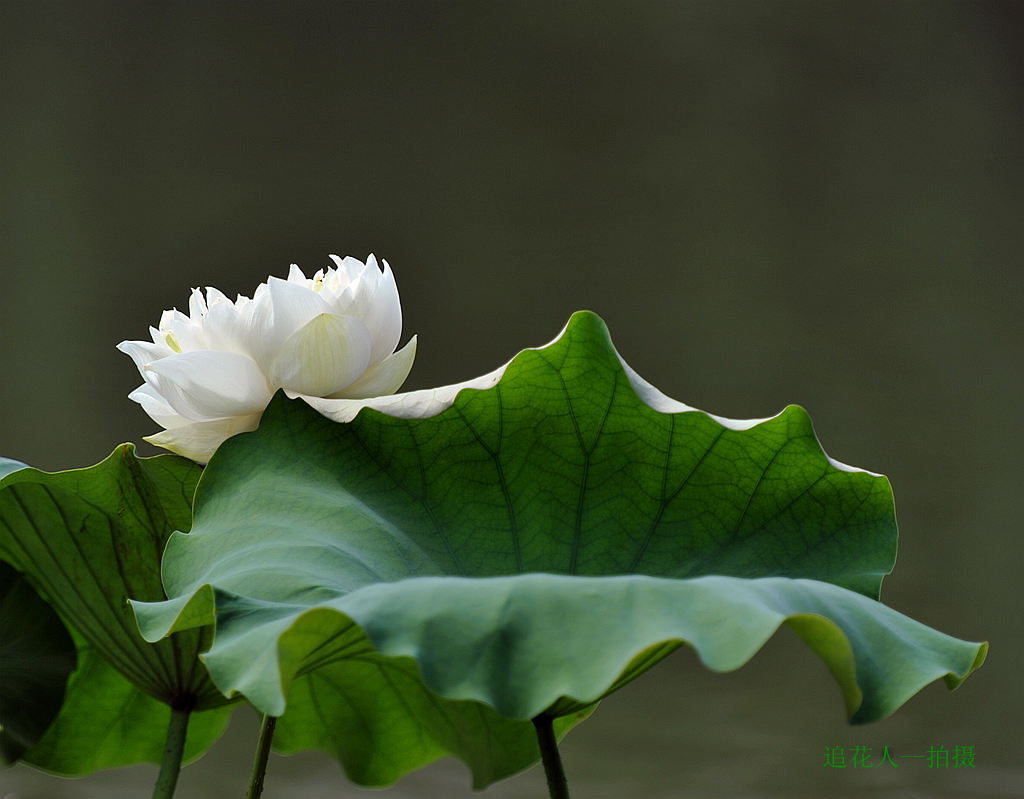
x=768 y=202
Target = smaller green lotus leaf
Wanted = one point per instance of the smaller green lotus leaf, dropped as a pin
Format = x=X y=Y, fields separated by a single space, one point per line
x=107 y=722
x=532 y=541
x=89 y=539
x=36 y=657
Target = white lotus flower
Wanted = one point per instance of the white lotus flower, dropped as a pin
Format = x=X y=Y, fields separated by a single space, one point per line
x=210 y=374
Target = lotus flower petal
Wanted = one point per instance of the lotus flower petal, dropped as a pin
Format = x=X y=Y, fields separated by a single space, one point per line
x=207 y=385
x=199 y=440
x=143 y=352
x=384 y=378
x=210 y=373
x=324 y=356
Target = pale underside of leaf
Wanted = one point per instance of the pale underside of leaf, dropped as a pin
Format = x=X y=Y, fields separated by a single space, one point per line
x=7 y=465
x=528 y=643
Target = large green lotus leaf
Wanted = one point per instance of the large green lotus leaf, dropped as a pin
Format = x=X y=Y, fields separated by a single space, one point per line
x=87 y=539
x=36 y=657
x=534 y=541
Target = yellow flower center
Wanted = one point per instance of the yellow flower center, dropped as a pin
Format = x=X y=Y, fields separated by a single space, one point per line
x=172 y=342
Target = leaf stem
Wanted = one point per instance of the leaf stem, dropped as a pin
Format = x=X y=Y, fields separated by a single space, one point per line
x=174 y=747
x=259 y=766
x=558 y=788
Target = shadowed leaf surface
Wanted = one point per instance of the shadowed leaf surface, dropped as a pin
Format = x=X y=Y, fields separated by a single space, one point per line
x=36 y=657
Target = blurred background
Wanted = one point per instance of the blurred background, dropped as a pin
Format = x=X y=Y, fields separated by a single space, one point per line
x=768 y=202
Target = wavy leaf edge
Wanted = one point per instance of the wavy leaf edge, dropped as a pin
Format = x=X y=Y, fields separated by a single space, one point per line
x=828 y=638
